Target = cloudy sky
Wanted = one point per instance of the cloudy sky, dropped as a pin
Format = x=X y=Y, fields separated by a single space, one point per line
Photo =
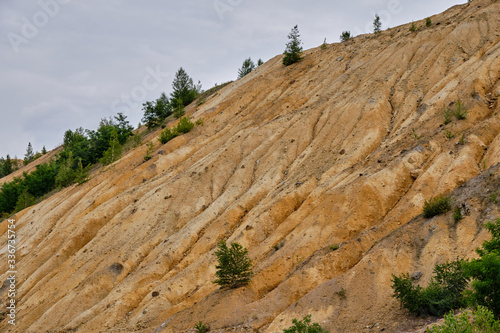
x=66 y=64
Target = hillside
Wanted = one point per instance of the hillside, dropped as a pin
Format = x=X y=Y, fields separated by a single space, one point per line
x=343 y=147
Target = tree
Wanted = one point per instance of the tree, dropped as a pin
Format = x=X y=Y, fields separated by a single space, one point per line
x=485 y=272
x=377 y=24
x=293 y=51
x=114 y=151
x=345 y=36
x=246 y=68
x=157 y=111
x=30 y=155
x=234 y=266
x=44 y=151
x=123 y=127
x=259 y=62
x=184 y=90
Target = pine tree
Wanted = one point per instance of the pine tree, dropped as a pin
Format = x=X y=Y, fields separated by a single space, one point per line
x=246 y=68
x=44 y=150
x=235 y=267
x=377 y=24
x=7 y=166
x=259 y=62
x=345 y=36
x=30 y=155
x=293 y=51
x=183 y=89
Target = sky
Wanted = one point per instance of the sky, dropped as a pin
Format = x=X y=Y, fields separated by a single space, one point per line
x=66 y=64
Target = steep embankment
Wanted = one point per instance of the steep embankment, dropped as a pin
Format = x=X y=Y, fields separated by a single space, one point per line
x=341 y=148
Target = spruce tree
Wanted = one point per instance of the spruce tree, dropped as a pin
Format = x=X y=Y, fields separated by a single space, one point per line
x=235 y=267
x=259 y=62
x=377 y=24
x=183 y=89
x=293 y=51
x=345 y=36
x=246 y=68
x=29 y=156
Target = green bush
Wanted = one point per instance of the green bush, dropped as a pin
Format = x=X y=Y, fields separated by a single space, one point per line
x=437 y=206
x=485 y=272
x=185 y=125
x=345 y=36
x=234 y=266
x=481 y=320
x=443 y=294
x=167 y=134
x=413 y=27
x=246 y=68
x=304 y=326
x=428 y=22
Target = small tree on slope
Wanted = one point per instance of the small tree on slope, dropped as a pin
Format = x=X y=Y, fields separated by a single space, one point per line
x=293 y=51
x=235 y=267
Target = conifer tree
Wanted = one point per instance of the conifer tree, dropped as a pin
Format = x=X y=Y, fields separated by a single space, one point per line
x=246 y=68
x=114 y=151
x=184 y=89
x=235 y=267
x=377 y=24
x=259 y=62
x=293 y=51
x=30 y=155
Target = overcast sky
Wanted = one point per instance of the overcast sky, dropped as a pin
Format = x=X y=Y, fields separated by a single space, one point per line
x=66 y=64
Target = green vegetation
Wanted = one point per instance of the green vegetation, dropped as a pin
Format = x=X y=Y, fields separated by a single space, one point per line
x=413 y=27
x=428 y=22
x=377 y=25
x=324 y=45
x=184 y=90
x=246 y=68
x=460 y=111
x=416 y=137
x=447 y=115
x=179 y=109
x=485 y=271
x=443 y=293
x=304 y=326
x=157 y=111
x=448 y=288
x=334 y=247
x=481 y=320
x=259 y=62
x=345 y=36
x=6 y=166
x=437 y=206
x=457 y=214
x=29 y=156
x=185 y=125
x=149 y=151
x=234 y=267
x=200 y=327
x=293 y=51
x=449 y=134
x=81 y=149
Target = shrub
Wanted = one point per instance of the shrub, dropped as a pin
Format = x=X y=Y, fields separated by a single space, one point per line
x=304 y=326
x=234 y=266
x=436 y=206
x=345 y=36
x=485 y=272
x=179 y=109
x=167 y=134
x=324 y=45
x=334 y=247
x=413 y=27
x=184 y=126
x=293 y=51
x=199 y=122
x=481 y=320
x=447 y=114
x=442 y=294
x=428 y=22
x=149 y=151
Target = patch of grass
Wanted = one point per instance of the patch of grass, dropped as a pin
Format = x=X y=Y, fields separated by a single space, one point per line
x=457 y=214
x=341 y=294
x=416 y=137
x=437 y=206
x=199 y=122
x=413 y=27
x=334 y=247
x=462 y=139
x=494 y=197
x=449 y=134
